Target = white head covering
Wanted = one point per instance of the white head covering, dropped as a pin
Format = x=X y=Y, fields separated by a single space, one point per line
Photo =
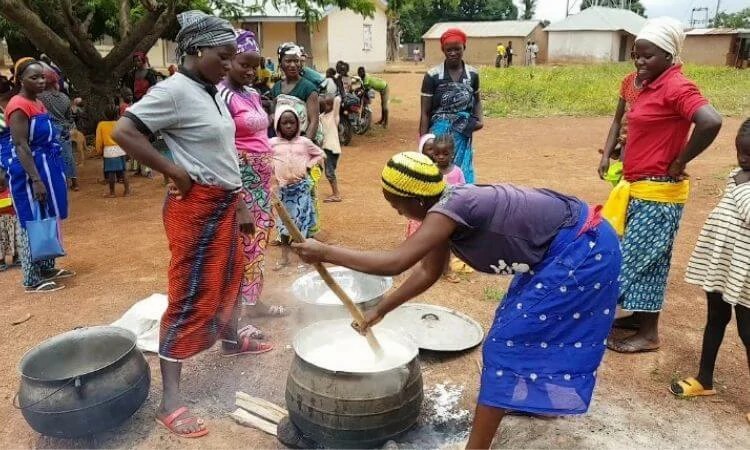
x=423 y=140
x=666 y=33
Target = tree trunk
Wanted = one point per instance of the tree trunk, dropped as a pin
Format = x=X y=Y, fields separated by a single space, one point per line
x=98 y=88
x=393 y=38
x=20 y=48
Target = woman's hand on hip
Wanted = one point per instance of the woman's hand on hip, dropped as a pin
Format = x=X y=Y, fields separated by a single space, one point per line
x=181 y=184
x=40 y=191
x=311 y=251
x=677 y=170
x=372 y=318
x=244 y=219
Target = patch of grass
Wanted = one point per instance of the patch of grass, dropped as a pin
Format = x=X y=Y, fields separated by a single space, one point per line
x=593 y=90
x=493 y=294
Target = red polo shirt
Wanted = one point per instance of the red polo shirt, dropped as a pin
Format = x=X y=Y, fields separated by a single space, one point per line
x=658 y=124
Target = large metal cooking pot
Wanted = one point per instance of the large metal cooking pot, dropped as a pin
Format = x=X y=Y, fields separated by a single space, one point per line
x=320 y=303
x=83 y=382
x=345 y=407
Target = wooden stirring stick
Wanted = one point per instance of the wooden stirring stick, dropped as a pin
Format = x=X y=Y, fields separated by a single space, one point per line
x=356 y=313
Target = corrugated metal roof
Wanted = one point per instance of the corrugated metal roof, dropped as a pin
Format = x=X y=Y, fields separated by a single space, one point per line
x=599 y=18
x=705 y=31
x=501 y=28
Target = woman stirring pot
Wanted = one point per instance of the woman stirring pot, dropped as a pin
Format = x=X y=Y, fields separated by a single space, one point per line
x=543 y=349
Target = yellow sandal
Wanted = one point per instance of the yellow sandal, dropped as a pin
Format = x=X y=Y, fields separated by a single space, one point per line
x=690 y=387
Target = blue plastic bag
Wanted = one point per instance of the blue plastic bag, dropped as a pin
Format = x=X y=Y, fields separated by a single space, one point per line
x=44 y=236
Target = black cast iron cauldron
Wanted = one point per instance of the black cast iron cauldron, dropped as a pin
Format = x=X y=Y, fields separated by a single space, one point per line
x=83 y=382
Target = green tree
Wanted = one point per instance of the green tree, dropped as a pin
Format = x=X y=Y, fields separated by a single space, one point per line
x=417 y=16
x=740 y=19
x=66 y=30
x=633 y=5
x=529 y=7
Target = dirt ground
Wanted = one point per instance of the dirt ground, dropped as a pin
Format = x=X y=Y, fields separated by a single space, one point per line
x=118 y=248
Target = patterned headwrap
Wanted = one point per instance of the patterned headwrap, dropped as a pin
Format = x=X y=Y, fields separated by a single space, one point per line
x=664 y=32
x=412 y=174
x=51 y=77
x=200 y=30
x=453 y=35
x=246 y=42
x=289 y=48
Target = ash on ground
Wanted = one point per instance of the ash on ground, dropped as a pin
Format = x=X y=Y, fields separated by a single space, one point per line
x=442 y=422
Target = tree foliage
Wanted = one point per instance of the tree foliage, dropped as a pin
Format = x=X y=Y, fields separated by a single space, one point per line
x=417 y=16
x=633 y=5
x=529 y=7
x=740 y=19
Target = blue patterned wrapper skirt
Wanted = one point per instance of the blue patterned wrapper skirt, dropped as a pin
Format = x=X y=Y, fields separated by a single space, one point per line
x=299 y=203
x=650 y=230
x=549 y=334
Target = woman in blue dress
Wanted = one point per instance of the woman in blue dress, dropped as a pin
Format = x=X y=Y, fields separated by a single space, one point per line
x=549 y=334
x=35 y=171
x=450 y=101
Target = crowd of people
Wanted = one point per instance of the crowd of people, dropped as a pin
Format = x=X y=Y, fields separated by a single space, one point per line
x=226 y=143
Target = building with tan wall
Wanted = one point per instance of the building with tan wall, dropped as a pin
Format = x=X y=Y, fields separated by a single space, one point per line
x=340 y=34
x=596 y=34
x=482 y=40
x=717 y=47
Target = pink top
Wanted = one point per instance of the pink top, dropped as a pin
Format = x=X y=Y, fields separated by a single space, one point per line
x=455 y=176
x=291 y=159
x=250 y=119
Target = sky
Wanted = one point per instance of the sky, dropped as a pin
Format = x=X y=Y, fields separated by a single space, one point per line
x=554 y=10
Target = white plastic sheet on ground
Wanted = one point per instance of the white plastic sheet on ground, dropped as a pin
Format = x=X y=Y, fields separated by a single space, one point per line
x=143 y=319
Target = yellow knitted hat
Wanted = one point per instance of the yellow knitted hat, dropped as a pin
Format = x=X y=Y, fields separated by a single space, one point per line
x=412 y=174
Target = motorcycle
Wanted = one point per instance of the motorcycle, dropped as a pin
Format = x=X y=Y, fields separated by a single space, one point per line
x=356 y=112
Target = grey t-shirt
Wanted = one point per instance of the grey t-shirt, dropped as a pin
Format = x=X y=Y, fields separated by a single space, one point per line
x=504 y=228
x=196 y=126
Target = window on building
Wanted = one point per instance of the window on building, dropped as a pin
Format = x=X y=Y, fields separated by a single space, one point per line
x=367 y=37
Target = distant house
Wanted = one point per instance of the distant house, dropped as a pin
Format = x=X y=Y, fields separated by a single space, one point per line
x=717 y=46
x=483 y=37
x=594 y=34
x=339 y=35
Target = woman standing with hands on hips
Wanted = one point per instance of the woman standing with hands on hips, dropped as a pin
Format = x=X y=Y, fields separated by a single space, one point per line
x=651 y=199
x=203 y=213
x=549 y=334
x=35 y=171
x=450 y=101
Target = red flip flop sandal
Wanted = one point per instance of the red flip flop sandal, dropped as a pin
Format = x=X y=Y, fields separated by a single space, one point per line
x=249 y=346
x=171 y=423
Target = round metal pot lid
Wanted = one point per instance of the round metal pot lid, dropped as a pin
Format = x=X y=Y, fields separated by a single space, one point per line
x=435 y=328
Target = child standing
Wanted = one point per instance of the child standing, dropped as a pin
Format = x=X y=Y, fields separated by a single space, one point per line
x=329 y=122
x=440 y=149
x=719 y=265
x=426 y=143
x=9 y=227
x=114 y=156
x=294 y=157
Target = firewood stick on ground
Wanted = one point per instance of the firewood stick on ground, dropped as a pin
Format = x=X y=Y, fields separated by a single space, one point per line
x=245 y=418
x=260 y=408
